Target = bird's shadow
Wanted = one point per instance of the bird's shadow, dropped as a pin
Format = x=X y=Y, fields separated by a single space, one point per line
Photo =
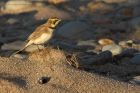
x=17 y=80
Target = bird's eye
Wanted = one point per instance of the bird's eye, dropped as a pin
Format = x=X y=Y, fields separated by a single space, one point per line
x=55 y=21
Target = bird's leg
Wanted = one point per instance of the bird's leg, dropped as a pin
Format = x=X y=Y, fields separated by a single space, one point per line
x=38 y=47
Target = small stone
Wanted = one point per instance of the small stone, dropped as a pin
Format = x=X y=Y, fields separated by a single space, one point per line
x=115 y=1
x=136 y=35
x=135 y=60
x=9 y=39
x=11 y=21
x=57 y=1
x=136 y=80
x=135 y=23
x=15 y=5
x=101 y=20
x=113 y=48
x=122 y=43
x=128 y=43
x=124 y=13
x=133 y=2
x=128 y=12
x=105 y=41
x=20 y=56
x=136 y=10
x=101 y=31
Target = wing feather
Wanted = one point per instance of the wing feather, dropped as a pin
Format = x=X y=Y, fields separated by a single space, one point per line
x=38 y=32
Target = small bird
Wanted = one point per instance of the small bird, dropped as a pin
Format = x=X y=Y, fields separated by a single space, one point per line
x=42 y=34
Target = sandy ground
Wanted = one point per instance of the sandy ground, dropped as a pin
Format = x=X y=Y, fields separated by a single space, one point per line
x=50 y=75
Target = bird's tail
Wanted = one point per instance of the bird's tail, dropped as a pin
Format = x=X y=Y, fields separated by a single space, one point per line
x=29 y=43
x=17 y=51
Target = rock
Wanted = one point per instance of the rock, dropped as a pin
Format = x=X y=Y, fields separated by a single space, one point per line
x=15 y=5
x=126 y=44
x=16 y=45
x=133 y=2
x=74 y=30
x=105 y=41
x=136 y=11
x=113 y=48
x=135 y=60
x=87 y=43
x=32 y=48
x=135 y=23
x=99 y=7
x=57 y=1
x=86 y=61
x=102 y=31
x=135 y=80
x=8 y=39
x=20 y=56
x=128 y=52
x=51 y=11
x=136 y=35
x=115 y=1
x=121 y=26
x=123 y=43
x=11 y=21
x=100 y=19
x=126 y=12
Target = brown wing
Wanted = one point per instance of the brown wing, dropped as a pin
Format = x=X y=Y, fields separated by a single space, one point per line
x=38 y=32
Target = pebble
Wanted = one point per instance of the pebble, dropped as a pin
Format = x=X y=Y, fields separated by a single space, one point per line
x=57 y=1
x=105 y=42
x=100 y=20
x=113 y=48
x=128 y=43
x=20 y=56
x=87 y=43
x=124 y=13
x=11 y=21
x=135 y=80
x=136 y=34
x=15 y=5
x=133 y=2
x=136 y=11
x=115 y=1
x=135 y=23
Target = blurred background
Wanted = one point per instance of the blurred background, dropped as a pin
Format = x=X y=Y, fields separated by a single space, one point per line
x=82 y=20
x=84 y=23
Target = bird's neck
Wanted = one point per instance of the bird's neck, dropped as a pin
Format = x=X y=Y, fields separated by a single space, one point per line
x=50 y=29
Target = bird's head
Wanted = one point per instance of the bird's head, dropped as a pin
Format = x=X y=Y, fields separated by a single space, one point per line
x=53 y=22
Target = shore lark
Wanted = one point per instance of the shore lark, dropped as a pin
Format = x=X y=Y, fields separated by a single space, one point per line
x=42 y=34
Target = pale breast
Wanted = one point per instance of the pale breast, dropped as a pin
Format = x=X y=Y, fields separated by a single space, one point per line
x=43 y=38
